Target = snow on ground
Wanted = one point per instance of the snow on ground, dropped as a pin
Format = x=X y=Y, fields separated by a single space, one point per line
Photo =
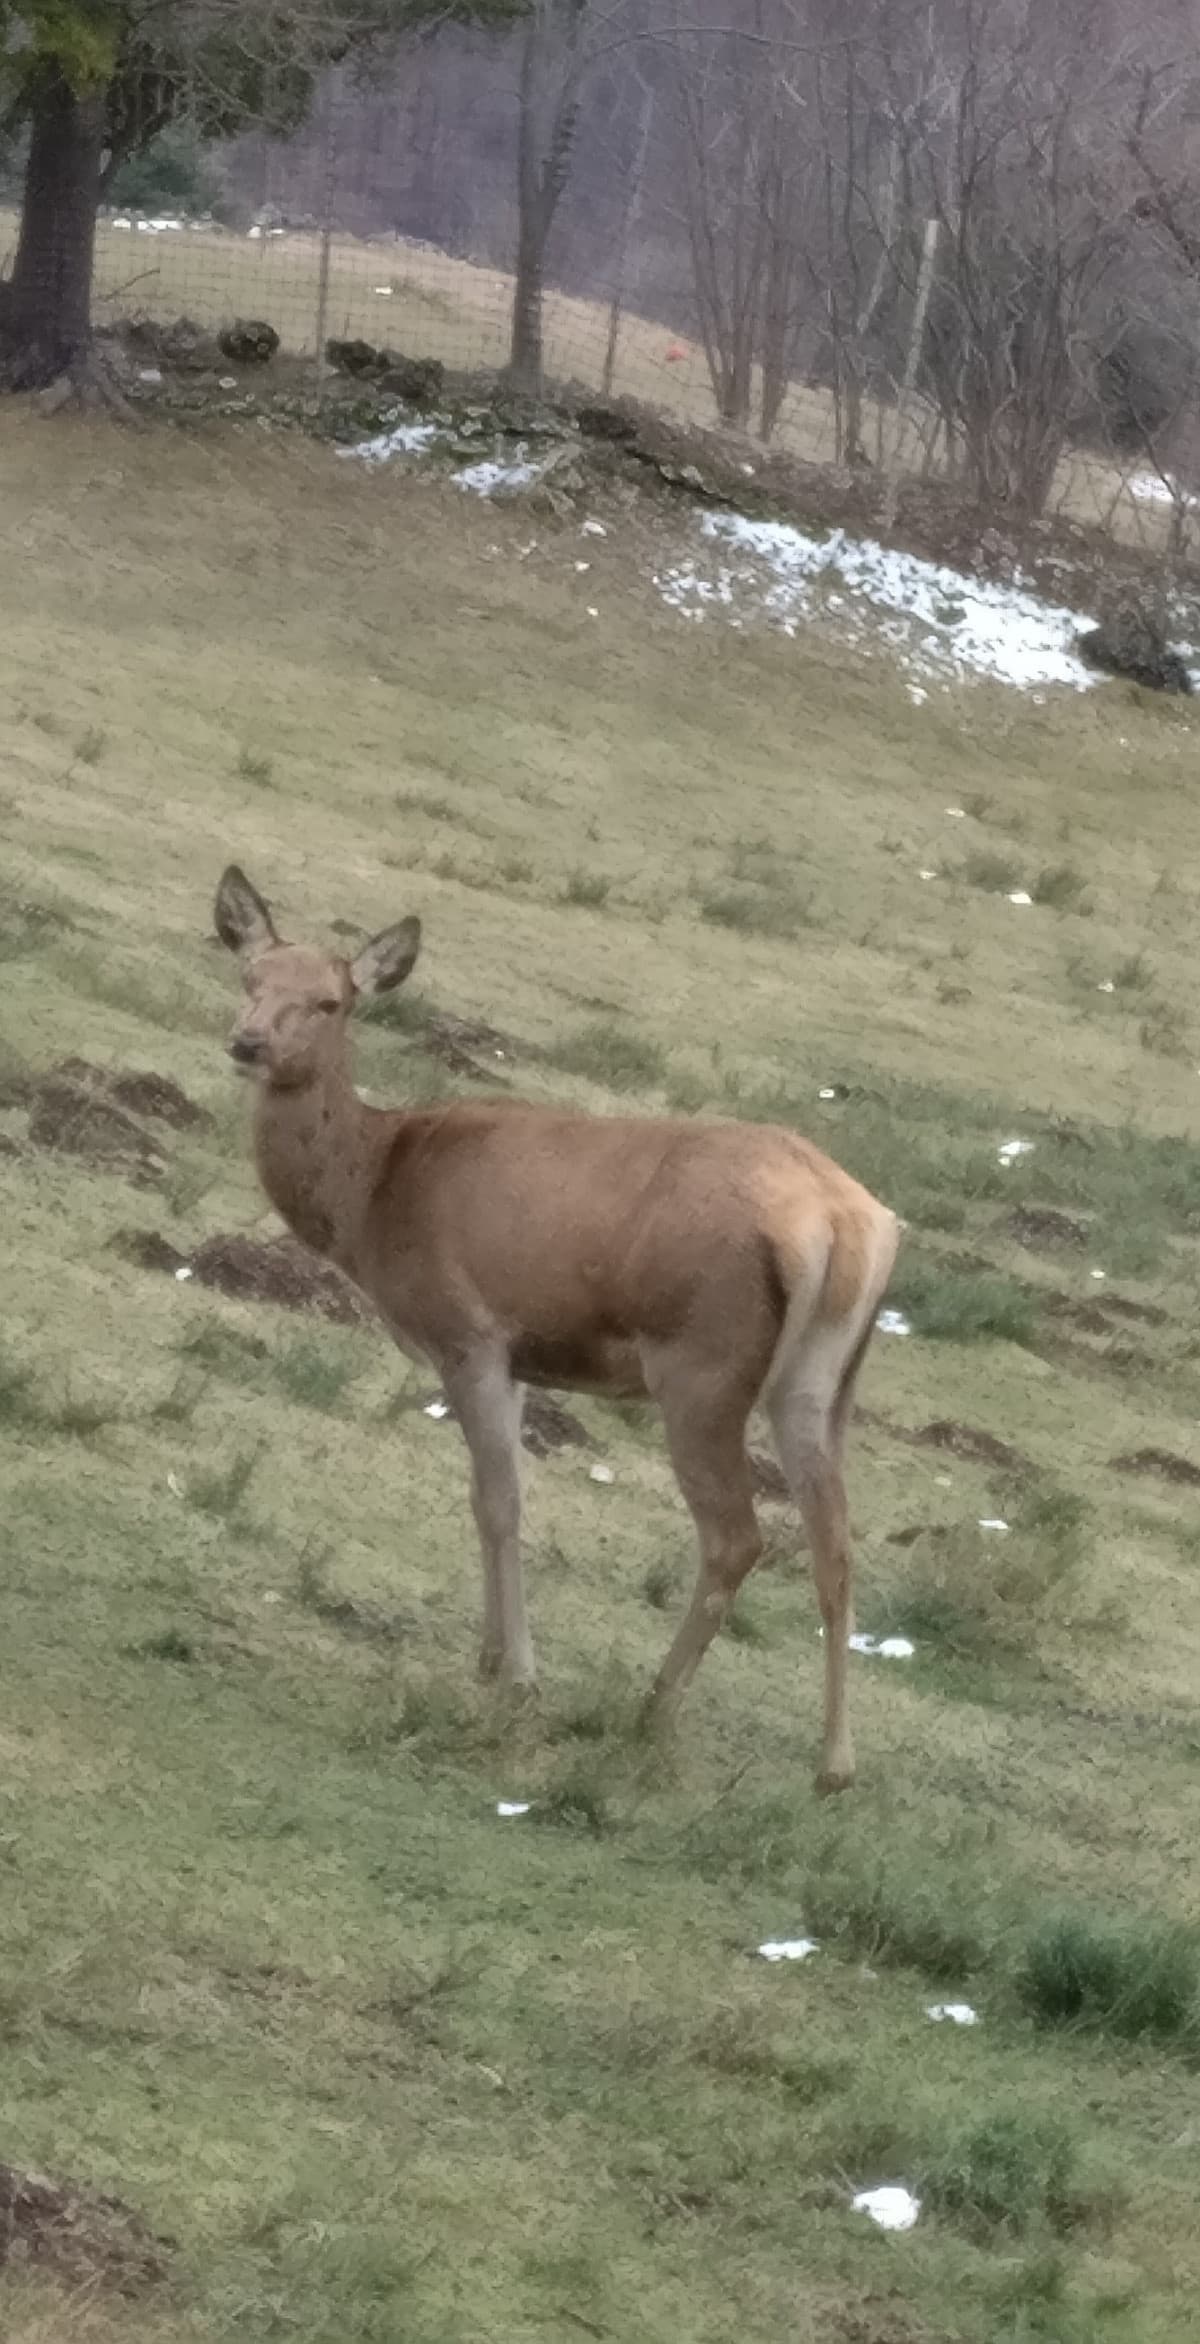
x=942 y=625
x=1155 y=488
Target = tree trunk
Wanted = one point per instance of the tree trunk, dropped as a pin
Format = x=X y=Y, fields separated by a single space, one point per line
x=45 y=310
x=549 y=113
x=525 y=362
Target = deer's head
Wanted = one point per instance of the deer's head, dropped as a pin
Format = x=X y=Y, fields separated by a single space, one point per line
x=296 y=998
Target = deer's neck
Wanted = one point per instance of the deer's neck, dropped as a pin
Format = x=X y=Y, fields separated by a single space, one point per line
x=315 y=1159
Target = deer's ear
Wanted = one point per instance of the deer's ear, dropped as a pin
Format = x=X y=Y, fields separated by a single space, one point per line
x=240 y=916
x=387 y=959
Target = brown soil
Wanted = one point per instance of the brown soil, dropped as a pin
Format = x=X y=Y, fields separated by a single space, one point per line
x=280 y=1271
x=979 y=1448
x=147 y=1250
x=249 y=1270
x=92 y=1112
x=548 y=1426
x=143 y=1094
x=80 y=2236
x=1160 y=1461
x=1041 y=1227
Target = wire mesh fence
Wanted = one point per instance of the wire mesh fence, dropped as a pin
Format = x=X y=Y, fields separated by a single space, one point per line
x=395 y=217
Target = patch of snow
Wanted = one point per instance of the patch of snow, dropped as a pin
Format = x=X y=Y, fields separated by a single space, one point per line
x=1106 y=985
x=437 y=1409
x=513 y=1806
x=957 y=813
x=992 y=1522
x=1099 y=1273
x=184 y=1272
x=1020 y=895
x=938 y=619
x=592 y=529
x=601 y=1473
x=788 y=1948
x=1150 y=488
x=916 y=692
x=892 y=2206
x=960 y=2014
x=150 y=374
x=827 y=1091
x=927 y=874
x=404 y=439
x=893 y=1322
x=882 y=1647
x=582 y=566
x=1010 y=1149
x=485 y=478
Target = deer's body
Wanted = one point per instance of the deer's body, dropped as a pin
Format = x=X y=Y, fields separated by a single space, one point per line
x=707 y=1266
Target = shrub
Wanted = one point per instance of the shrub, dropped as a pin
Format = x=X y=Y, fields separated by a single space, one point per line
x=1131 y=1978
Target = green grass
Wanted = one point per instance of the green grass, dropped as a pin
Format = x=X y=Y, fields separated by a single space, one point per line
x=611 y=1054
x=384 y=2063
x=1003 y=2175
x=950 y=1305
x=1142 y=1978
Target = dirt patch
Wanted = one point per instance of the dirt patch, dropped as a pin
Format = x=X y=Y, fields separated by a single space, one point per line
x=142 y=1094
x=1162 y=1462
x=978 y=1448
x=279 y=1271
x=1090 y=1317
x=92 y=1112
x=1146 y=1314
x=913 y=1531
x=1044 y=1229
x=249 y=1269
x=148 y=1251
x=70 y=1119
x=548 y=1426
x=78 y=2236
x=466 y=1048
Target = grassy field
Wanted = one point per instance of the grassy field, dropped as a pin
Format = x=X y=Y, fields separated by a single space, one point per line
x=425 y=302
x=386 y=2068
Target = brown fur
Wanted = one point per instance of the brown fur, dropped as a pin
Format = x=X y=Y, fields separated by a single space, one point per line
x=705 y=1265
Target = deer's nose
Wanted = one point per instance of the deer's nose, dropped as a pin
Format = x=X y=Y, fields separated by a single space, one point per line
x=247 y=1049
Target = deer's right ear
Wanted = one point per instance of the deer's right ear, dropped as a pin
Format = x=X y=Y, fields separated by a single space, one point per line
x=241 y=917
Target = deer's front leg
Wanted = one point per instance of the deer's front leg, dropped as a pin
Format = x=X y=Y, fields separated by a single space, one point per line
x=488 y=1406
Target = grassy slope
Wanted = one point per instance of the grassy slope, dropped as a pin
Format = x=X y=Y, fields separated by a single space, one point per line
x=269 y=1965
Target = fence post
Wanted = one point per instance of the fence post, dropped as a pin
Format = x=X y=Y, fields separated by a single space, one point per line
x=912 y=364
x=326 y=249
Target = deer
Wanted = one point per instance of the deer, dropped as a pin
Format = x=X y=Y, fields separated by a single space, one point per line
x=708 y=1266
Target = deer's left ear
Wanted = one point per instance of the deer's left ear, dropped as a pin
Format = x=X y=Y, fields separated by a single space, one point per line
x=241 y=918
x=387 y=959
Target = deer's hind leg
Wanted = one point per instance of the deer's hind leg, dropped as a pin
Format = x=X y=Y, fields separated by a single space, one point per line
x=705 y=1427
x=808 y=1404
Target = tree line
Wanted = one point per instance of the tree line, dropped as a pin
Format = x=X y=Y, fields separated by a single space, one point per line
x=975 y=223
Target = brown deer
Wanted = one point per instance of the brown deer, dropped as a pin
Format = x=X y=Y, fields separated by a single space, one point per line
x=707 y=1266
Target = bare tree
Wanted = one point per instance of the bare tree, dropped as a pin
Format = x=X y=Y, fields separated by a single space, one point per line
x=555 y=55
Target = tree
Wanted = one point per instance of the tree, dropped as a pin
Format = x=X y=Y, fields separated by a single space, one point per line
x=96 y=81
x=554 y=59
